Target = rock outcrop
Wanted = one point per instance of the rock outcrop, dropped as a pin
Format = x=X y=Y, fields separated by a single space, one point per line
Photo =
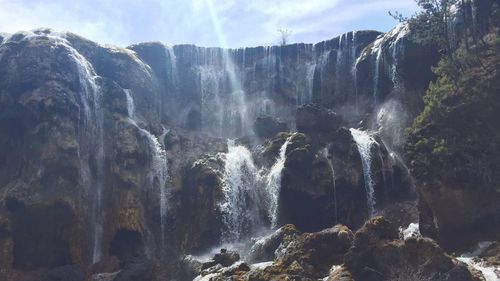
x=378 y=254
x=113 y=161
x=336 y=254
x=452 y=156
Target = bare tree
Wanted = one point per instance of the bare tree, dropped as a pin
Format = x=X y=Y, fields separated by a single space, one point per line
x=284 y=36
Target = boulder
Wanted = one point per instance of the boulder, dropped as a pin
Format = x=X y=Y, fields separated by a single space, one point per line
x=306 y=191
x=339 y=273
x=200 y=195
x=492 y=254
x=378 y=254
x=314 y=118
x=225 y=258
x=266 y=126
x=189 y=268
x=264 y=249
x=315 y=253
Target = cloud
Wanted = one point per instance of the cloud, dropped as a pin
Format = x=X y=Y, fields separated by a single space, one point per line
x=242 y=23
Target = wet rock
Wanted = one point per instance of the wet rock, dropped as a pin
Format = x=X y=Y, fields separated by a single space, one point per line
x=200 y=196
x=401 y=213
x=305 y=189
x=377 y=254
x=189 y=268
x=314 y=118
x=315 y=253
x=492 y=254
x=339 y=273
x=65 y=273
x=104 y=276
x=265 y=248
x=225 y=258
x=459 y=204
x=272 y=147
x=237 y=270
x=136 y=269
x=267 y=126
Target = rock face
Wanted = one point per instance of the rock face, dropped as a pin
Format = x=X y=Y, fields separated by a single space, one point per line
x=373 y=253
x=312 y=118
x=267 y=126
x=459 y=203
x=264 y=249
x=114 y=161
x=322 y=181
x=377 y=254
x=316 y=252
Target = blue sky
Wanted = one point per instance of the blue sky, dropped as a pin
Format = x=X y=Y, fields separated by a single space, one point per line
x=228 y=23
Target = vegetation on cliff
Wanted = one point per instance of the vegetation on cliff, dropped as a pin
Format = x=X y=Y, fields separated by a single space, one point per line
x=453 y=144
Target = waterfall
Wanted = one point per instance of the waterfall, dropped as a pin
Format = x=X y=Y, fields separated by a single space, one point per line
x=273 y=184
x=239 y=190
x=398 y=34
x=364 y=142
x=354 y=69
x=338 y=67
x=212 y=107
x=93 y=126
x=474 y=14
x=412 y=230
x=223 y=99
x=310 y=82
x=172 y=72
x=324 y=152
x=171 y=79
x=376 y=75
x=159 y=167
x=239 y=111
x=471 y=259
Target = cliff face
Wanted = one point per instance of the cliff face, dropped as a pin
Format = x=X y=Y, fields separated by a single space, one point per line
x=453 y=148
x=118 y=159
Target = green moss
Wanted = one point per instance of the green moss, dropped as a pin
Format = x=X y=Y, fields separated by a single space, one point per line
x=422 y=143
x=440 y=148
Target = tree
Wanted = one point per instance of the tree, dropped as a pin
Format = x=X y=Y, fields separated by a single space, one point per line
x=284 y=36
x=432 y=24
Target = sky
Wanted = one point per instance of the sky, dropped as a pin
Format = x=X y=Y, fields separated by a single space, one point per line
x=209 y=23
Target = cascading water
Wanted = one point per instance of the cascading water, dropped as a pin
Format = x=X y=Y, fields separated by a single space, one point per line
x=412 y=230
x=354 y=69
x=338 y=66
x=239 y=188
x=490 y=273
x=224 y=107
x=172 y=65
x=309 y=82
x=159 y=167
x=171 y=79
x=211 y=101
x=240 y=111
x=365 y=142
x=273 y=184
x=93 y=125
x=321 y=65
x=376 y=75
x=397 y=47
x=324 y=153
x=231 y=87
